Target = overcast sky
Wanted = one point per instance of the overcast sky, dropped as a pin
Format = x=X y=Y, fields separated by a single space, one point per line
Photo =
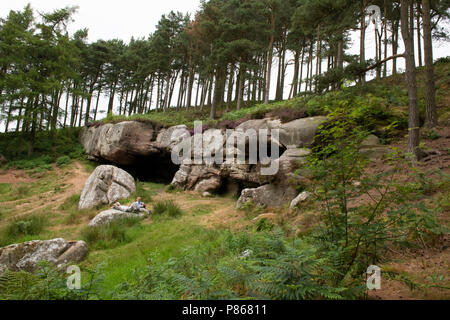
x=109 y=19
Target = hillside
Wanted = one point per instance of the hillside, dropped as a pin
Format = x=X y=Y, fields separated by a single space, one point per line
x=197 y=252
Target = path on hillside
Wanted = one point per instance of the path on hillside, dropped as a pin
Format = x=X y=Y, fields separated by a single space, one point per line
x=72 y=182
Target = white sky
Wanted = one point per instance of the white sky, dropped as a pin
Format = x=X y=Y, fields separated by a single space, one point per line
x=109 y=19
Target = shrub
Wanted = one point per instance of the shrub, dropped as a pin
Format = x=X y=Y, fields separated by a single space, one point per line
x=353 y=236
x=21 y=191
x=168 y=208
x=173 y=189
x=432 y=135
x=22 y=227
x=62 y=161
x=442 y=60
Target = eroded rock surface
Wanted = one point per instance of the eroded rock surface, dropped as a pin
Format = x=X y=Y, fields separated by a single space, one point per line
x=26 y=256
x=106 y=185
x=108 y=216
x=269 y=195
x=372 y=148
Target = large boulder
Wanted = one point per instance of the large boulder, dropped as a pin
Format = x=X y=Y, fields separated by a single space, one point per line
x=291 y=160
x=169 y=138
x=269 y=195
x=201 y=178
x=76 y=252
x=106 y=185
x=372 y=148
x=26 y=256
x=121 y=143
x=108 y=216
x=300 y=132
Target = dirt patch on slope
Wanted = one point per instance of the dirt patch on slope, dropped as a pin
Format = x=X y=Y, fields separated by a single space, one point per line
x=14 y=176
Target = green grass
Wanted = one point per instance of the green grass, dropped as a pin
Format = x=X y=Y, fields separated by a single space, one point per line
x=5 y=188
x=22 y=228
x=202 y=210
x=145 y=190
x=168 y=208
x=166 y=237
x=111 y=235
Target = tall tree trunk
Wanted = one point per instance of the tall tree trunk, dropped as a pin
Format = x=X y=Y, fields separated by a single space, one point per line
x=408 y=39
x=216 y=95
x=270 y=58
x=283 y=73
x=419 y=36
x=210 y=90
x=198 y=89
x=300 y=78
x=230 y=88
x=377 y=58
x=190 y=85
x=166 y=98
x=19 y=117
x=294 y=86
x=205 y=90
x=96 y=103
x=311 y=68
x=307 y=72
x=241 y=87
x=385 y=39
x=81 y=112
x=32 y=135
x=430 y=99
x=362 y=41
x=111 y=98
x=395 y=45
x=277 y=92
x=319 y=57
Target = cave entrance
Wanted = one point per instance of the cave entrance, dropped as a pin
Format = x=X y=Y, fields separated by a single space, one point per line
x=158 y=169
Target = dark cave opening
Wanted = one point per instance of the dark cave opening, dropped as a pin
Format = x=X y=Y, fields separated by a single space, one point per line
x=158 y=169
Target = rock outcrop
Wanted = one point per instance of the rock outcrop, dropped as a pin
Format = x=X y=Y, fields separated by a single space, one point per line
x=120 y=143
x=129 y=142
x=26 y=256
x=300 y=132
x=293 y=137
x=108 y=216
x=269 y=195
x=302 y=197
x=106 y=185
x=373 y=149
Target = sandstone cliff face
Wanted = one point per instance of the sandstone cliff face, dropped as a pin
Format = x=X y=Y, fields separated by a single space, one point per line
x=128 y=143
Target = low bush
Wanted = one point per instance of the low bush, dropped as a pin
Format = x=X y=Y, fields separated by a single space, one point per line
x=62 y=161
x=168 y=208
x=23 y=227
